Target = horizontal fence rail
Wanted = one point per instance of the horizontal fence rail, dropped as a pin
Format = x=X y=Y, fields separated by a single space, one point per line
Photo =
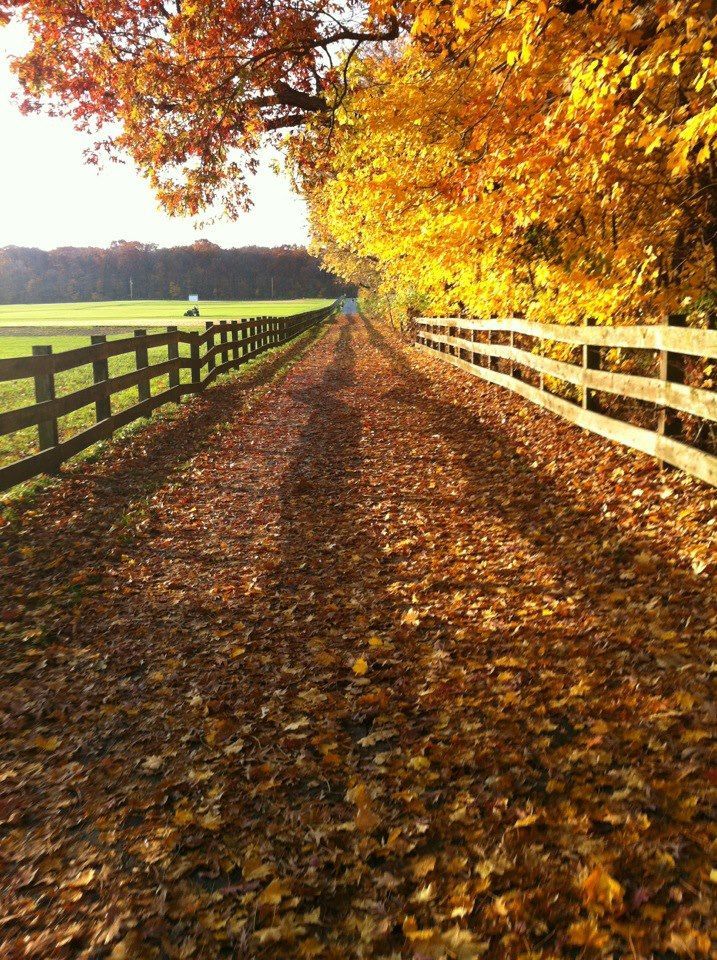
x=223 y=346
x=470 y=345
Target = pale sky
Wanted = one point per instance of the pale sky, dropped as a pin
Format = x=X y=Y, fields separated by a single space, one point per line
x=51 y=198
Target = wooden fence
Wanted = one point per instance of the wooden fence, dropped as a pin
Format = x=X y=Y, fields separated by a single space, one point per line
x=471 y=345
x=221 y=347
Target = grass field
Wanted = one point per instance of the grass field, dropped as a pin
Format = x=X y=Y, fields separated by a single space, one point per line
x=148 y=313
x=88 y=316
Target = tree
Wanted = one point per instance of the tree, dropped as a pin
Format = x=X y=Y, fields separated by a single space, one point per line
x=181 y=86
x=92 y=273
x=557 y=156
x=553 y=157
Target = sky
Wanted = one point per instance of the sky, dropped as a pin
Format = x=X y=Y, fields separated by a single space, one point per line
x=52 y=198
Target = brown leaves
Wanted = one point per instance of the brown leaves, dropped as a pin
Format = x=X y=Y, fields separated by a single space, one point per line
x=273 y=894
x=499 y=783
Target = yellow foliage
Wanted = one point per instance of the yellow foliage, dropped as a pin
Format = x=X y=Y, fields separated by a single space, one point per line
x=524 y=158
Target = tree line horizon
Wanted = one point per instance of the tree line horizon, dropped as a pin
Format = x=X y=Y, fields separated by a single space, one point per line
x=144 y=271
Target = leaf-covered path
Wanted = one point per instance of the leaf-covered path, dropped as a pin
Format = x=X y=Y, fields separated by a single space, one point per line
x=391 y=665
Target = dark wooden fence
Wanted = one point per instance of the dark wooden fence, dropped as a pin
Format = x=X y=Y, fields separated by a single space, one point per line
x=221 y=347
x=471 y=345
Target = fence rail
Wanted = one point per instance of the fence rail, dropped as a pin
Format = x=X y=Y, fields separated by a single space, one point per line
x=227 y=345
x=470 y=345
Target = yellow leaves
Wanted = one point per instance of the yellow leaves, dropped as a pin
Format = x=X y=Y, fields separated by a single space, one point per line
x=424 y=895
x=527 y=821
x=435 y=944
x=411 y=617
x=273 y=893
x=152 y=764
x=587 y=934
x=46 y=743
x=423 y=866
x=601 y=892
x=687 y=941
x=360 y=667
x=184 y=816
x=253 y=867
x=419 y=763
x=83 y=879
x=425 y=19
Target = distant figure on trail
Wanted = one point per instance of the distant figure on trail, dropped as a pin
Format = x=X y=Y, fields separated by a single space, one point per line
x=192 y=312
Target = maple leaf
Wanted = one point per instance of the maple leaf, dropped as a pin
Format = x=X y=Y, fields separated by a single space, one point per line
x=360 y=667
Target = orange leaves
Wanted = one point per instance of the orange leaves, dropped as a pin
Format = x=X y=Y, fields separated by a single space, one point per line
x=587 y=934
x=366 y=819
x=602 y=893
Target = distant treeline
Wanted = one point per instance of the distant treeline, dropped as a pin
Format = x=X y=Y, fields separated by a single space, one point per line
x=145 y=271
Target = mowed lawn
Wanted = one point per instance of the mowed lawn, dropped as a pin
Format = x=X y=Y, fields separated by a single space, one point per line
x=149 y=314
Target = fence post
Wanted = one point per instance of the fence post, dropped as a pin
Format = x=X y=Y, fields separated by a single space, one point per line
x=235 y=342
x=100 y=373
x=142 y=357
x=210 y=343
x=514 y=370
x=173 y=354
x=671 y=370
x=490 y=361
x=47 y=434
x=194 y=359
x=223 y=340
x=591 y=361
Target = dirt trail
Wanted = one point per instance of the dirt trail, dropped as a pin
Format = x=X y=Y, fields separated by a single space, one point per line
x=388 y=665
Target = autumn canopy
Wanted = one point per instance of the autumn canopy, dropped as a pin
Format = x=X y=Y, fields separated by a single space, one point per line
x=557 y=158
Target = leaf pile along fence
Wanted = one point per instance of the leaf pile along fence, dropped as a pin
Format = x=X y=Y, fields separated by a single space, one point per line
x=520 y=354
x=223 y=346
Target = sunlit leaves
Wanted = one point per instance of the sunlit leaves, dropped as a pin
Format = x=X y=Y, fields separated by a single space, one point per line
x=531 y=157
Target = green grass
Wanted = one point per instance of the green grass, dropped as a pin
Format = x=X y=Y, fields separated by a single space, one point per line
x=104 y=316
x=146 y=313
x=20 y=393
x=43 y=318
